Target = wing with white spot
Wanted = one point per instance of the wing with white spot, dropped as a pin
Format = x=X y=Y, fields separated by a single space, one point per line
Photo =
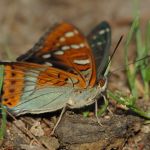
x=64 y=47
x=100 y=39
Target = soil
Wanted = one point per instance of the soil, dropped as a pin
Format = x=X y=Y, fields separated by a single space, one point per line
x=22 y=23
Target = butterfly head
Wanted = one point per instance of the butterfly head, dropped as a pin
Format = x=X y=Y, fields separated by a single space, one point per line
x=102 y=84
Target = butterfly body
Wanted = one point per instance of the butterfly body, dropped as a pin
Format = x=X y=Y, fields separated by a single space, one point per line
x=60 y=70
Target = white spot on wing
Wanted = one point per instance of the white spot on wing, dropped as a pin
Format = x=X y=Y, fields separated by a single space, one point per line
x=65 y=48
x=102 y=31
x=48 y=64
x=82 y=62
x=107 y=30
x=58 y=52
x=75 y=46
x=69 y=34
x=46 y=56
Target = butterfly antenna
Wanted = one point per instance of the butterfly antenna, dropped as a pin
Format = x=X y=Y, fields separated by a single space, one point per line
x=121 y=67
x=115 y=50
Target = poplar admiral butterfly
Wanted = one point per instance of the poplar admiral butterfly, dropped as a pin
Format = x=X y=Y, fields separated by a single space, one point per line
x=64 y=68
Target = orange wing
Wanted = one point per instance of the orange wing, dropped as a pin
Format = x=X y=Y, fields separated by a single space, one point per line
x=64 y=47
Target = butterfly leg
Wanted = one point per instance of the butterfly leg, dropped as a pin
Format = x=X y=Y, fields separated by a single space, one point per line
x=102 y=110
x=96 y=114
x=59 y=119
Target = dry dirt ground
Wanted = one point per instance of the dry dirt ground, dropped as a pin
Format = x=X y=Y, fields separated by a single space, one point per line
x=22 y=22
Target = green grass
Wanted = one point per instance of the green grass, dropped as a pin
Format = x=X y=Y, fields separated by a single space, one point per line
x=3 y=110
x=3 y=122
x=140 y=68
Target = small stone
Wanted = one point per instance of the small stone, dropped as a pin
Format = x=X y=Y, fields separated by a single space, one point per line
x=37 y=130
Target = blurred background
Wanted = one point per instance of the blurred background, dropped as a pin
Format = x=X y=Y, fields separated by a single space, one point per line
x=22 y=22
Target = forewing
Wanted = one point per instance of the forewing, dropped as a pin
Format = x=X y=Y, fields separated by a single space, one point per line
x=64 y=47
x=100 y=39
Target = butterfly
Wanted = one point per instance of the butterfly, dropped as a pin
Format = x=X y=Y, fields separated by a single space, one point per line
x=64 y=68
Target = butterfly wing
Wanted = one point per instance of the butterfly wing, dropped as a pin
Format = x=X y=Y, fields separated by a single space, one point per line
x=35 y=88
x=64 y=47
x=100 y=39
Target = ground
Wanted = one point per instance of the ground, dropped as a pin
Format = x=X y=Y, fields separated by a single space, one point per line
x=21 y=24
